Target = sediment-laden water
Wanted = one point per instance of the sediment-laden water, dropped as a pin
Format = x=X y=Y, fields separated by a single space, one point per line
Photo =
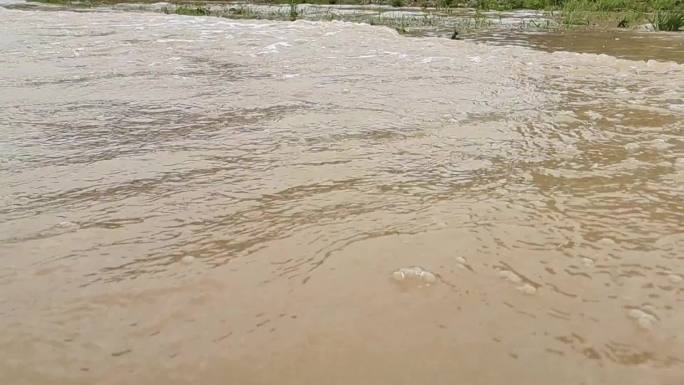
x=200 y=200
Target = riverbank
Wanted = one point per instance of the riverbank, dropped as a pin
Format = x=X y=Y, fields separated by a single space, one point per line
x=442 y=15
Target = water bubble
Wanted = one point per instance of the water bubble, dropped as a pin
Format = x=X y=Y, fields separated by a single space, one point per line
x=527 y=289
x=415 y=275
x=659 y=144
x=606 y=241
x=675 y=278
x=66 y=224
x=398 y=275
x=588 y=262
x=461 y=263
x=510 y=276
x=593 y=115
x=644 y=320
x=632 y=147
x=428 y=277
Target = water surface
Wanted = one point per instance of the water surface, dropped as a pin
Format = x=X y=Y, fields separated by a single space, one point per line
x=199 y=200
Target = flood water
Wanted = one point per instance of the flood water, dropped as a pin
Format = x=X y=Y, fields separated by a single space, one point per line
x=200 y=200
x=640 y=46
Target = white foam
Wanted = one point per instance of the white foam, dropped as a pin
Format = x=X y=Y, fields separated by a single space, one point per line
x=66 y=225
x=510 y=276
x=632 y=147
x=273 y=48
x=588 y=262
x=644 y=319
x=414 y=274
x=659 y=144
x=527 y=289
x=675 y=278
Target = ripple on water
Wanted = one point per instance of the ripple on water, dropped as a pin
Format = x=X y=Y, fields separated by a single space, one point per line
x=290 y=159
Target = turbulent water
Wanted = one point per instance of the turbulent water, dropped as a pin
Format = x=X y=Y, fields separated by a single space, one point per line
x=198 y=200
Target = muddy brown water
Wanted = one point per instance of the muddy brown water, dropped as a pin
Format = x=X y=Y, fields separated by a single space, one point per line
x=198 y=200
x=632 y=45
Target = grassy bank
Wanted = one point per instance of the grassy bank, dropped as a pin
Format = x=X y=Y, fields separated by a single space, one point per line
x=293 y=11
x=499 y=5
x=661 y=15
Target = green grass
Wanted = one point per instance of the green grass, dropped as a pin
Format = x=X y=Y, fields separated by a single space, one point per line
x=506 y=5
x=668 y=20
x=294 y=13
x=664 y=15
x=192 y=10
x=583 y=5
